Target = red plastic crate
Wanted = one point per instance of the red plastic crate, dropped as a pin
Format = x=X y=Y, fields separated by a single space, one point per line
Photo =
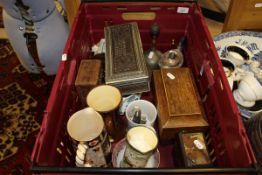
x=229 y=143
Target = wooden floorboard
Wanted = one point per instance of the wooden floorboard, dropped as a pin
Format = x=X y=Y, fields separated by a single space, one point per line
x=214 y=27
x=216 y=5
x=3 y=34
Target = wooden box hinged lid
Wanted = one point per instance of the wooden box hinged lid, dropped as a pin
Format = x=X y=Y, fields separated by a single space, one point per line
x=178 y=102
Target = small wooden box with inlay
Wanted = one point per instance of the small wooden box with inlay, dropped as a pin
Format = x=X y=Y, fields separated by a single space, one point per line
x=178 y=102
x=125 y=66
x=88 y=76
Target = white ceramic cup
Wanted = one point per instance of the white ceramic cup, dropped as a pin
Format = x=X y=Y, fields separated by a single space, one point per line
x=249 y=90
x=147 y=109
x=229 y=66
x=85 y=125
x=238 y=54
x=86 y=128
x=141 y=144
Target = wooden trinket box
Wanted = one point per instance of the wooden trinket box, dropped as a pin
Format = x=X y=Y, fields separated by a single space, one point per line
x=88 y=76
x=178 y=103
x=194 y=150
x=125 y=65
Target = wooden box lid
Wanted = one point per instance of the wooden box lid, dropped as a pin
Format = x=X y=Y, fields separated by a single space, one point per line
x=124 y=59
x=178 y=103
x=181 y=100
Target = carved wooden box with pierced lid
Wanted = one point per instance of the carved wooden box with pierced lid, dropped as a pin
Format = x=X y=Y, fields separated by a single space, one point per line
x=125 y=66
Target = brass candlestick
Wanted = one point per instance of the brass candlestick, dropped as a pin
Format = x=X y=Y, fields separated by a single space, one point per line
x=153 y=55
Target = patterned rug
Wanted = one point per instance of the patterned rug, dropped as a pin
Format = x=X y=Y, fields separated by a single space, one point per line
x=23 y=98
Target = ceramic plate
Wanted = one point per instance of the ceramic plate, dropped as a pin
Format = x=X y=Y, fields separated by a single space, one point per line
x=118 y=155
x=253 y=42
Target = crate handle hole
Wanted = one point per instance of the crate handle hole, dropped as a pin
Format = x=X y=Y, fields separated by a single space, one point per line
x=204 y=98
x=106 y=7
x=155 y=8
x=212 y=71
x=211 y=152
x=213 y=160
x=136 y=16
x=69 y=152
x=221 y=85
x=62 y=83
x=207 y=44
x=209 y=141
x=222 y=152
x=67 y=159
x=121 y=8
x=59 y=150
x=201 y=72
x=171 y=8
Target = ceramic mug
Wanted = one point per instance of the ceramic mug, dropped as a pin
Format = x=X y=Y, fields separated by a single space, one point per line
x=238 y=54
x=86 y=128
x=141 y=144
x=118 y=155
x=147 y=109
x=229 y=67
x=106 y=99
x=249 y=90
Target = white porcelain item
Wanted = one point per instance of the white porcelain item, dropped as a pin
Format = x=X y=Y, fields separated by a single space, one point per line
x=240 y=73
x=249 y=90
x=254 y=64
x=229 y=66
x=241 y=101
x=80 y=155
x=238 y=54
x=141 y=144
x=229 y=69
x=147 y=109
x=85 y=125
x=230 y=81
x=254 y=85
x=142 y=139
x=252 y=41
x=258 y=73
x=104 y=98
x=79 y=162
x=118 y=155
